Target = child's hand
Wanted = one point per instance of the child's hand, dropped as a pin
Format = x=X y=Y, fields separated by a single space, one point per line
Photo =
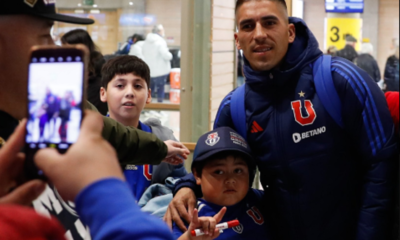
x=207 y=224
x=177 y=152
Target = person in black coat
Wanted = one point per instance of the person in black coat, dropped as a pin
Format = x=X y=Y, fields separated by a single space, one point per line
x=95 y=64
x=367 y=62
x=392 y=72
x=348 y=52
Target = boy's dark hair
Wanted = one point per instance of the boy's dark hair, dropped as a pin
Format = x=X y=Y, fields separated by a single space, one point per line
x=124 y=65
x=198 y=166
x=240 y=3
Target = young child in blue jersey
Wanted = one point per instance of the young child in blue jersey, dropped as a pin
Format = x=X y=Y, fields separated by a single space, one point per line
x=125 y=88
x=224 y=168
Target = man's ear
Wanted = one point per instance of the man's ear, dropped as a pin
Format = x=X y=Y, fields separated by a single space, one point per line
x=196 y=176
x=292 y=33
x=237 y=42
x=148 y=97
x=103 y=94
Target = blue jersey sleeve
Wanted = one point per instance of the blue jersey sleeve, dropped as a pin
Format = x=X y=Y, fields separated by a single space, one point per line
x=368 y=123
x=110 y=210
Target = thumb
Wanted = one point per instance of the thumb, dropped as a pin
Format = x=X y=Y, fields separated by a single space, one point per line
x=25 y=194
x=47 y=159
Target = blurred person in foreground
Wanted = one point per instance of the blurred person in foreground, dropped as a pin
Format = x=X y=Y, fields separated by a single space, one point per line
x=24 y=24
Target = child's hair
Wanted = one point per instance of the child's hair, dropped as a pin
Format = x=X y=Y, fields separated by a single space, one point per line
x=124 y=65
x=198 y=166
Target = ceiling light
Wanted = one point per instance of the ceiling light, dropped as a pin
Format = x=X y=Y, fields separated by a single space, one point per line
x=95 y=5
x=79 y=4
x=131 y=3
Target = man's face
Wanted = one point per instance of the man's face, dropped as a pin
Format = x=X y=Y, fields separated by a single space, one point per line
x=126 y=96
x=264 y=33
x=224 y=182
x=18 y=34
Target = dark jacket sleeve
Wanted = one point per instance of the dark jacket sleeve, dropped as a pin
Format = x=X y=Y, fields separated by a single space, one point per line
x=133 y=146
x=368 y=123
x=377 y=72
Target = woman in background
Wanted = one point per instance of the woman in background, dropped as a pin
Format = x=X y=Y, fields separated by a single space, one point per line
x=96 y=62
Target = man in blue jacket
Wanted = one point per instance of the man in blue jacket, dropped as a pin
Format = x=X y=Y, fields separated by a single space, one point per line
x=321 y=181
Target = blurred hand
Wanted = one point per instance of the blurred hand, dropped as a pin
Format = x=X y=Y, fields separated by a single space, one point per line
x=89 y=160
x=177 y=152
x=11 y=169
x=207 y=224
x=181 y=206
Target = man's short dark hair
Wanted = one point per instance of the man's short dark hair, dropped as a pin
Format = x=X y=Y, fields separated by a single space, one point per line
x=124 y=65
x=240 y=3
x=198 y=166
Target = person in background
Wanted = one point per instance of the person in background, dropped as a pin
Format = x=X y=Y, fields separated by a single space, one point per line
x=391 y=75
x=137 y=47
x=157 y=57
x=367 y=62
x=96 y=62
x=349 y=51
x=332 y=50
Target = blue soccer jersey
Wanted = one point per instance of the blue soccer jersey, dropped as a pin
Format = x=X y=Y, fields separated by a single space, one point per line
x=252 y=224
x=139 y=177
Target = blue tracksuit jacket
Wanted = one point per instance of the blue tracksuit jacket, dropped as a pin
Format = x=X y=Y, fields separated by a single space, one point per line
x=321 y=182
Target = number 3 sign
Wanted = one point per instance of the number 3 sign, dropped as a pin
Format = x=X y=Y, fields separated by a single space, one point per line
x=336 y=30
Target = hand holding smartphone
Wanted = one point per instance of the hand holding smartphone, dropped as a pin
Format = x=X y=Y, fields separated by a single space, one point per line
x=56 y=90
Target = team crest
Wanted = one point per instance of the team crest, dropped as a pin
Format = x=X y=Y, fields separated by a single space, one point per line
x=31 y=3
x=298 y=116
x=238 y=229
x=212 y=139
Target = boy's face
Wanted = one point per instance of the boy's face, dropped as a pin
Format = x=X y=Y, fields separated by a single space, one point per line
x=224 y=182
x=126 y=95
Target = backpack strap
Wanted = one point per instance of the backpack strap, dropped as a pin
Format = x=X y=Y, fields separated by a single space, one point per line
x=238 y=111
x=326 y=89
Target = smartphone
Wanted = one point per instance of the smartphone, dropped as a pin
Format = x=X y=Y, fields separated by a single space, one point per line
x=56 y=83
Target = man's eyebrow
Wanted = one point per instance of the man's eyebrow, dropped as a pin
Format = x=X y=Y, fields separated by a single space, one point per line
x=246 y=21
x=269 y=17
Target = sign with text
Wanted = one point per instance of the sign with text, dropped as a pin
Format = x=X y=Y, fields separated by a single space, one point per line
x=344 y=6
x=88 y=2
x=336 y=30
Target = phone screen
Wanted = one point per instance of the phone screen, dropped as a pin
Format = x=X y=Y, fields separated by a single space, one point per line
x=55 y=98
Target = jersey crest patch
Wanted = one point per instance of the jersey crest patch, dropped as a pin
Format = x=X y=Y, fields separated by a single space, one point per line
x=238 y=229
x=212 y=139
x=298 y=116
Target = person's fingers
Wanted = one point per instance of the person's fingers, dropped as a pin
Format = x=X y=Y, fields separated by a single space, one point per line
x=191 y=206
x=92 y=124
x=167 y=218
x=218 y=217
x=212 y=225
x=177 y=219
x=25 y=194
x=13 y=145
x=47 y=160
x=205 y=225
x=183 y=212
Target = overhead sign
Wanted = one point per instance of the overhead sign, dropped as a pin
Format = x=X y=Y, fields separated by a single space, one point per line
x=336 y=30
x=137 y=20
x=88 y=2
x=344 y=6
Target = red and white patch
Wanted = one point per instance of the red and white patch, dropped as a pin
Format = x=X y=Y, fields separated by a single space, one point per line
x=212 y=139
x=298 y=116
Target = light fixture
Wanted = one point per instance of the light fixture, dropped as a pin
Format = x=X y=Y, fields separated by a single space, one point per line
x=95 y=11
x=79 y=11
x=79 y=4
x=95 y=5
x=131 y=3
